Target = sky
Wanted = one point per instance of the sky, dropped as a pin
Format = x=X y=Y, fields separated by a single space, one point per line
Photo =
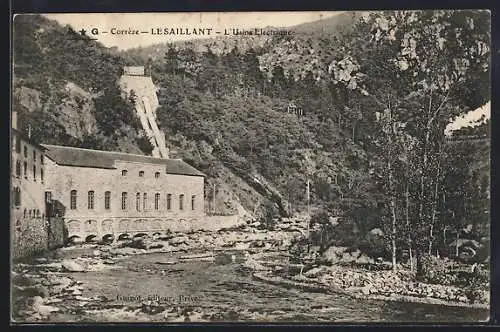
x=469 y=119
x=148 y=21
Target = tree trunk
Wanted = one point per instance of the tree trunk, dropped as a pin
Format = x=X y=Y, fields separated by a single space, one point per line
x=393 y=215
x=407 y=208
x=418 y=255
x=434 y=208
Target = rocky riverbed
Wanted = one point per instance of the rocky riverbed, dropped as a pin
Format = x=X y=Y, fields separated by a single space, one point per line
x=210 y=276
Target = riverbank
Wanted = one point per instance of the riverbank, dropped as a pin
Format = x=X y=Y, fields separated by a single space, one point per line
x=309 y=285
x=53 y=287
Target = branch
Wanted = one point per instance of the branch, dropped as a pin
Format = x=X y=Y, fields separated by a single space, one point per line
x=436 y=112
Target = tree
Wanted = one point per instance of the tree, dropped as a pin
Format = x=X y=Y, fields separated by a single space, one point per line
x=416 y=64
x=172 y=60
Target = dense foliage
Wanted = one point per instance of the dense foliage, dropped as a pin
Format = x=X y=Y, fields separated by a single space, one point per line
x=359 y=113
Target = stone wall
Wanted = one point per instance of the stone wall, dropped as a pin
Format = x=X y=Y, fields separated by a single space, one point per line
x=57 y=232
x=29 y=237
x=215 y=223
x=34 y=235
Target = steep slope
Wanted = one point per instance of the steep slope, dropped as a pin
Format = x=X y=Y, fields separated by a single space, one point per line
x=64 y=86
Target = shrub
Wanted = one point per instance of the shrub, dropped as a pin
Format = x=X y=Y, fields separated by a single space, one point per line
x=437 y=270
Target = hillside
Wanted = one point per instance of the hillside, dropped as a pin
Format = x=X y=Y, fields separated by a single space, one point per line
x=226 y=108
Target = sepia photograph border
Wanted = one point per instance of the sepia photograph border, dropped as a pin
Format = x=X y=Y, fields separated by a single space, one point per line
x=108 y=6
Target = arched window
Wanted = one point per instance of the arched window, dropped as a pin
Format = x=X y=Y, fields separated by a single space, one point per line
x=144 y=201
x=34 y=155
x=157 y=201
x=138 y=201
x=90 y=203
x=169 y=201
x=34 y=173
x=24 y=214
x=157 y=175
x=181 y=202
x=141 y=173
x=18 y=168
x=37 y=213
x=72 y=202
x=193 y=202
x=124 y=200
x=25 y=170
x=41 y=174
x=124 y=172
x=25 y=151
x=107 y=200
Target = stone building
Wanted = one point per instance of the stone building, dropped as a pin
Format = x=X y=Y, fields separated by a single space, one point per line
x=32 y=230
x=110 y=194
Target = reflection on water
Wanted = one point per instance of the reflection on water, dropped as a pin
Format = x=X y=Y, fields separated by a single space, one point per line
x=228 y=288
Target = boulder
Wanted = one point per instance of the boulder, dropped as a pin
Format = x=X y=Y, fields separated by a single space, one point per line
x=364 y=259
x=41 y=260
x=178 y=240
x=42 y=309
x=72 y=266
x=315 y=272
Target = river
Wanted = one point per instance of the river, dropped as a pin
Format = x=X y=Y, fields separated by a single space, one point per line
x=229 y=293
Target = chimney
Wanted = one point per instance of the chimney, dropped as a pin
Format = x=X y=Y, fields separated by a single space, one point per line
x=14 y=120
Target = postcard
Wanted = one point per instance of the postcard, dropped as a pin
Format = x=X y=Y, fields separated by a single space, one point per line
x=293 y=167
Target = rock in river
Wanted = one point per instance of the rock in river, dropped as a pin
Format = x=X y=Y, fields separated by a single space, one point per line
x=72 y=266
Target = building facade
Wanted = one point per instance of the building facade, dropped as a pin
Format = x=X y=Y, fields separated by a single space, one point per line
x=109 y=194
x=29 y=223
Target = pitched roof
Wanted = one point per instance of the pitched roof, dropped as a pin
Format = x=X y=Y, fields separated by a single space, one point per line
x=71 y=156
x=25 y=137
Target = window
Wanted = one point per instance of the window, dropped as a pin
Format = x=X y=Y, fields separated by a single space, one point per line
x=48 y=196
x=41 y=175
x=124 y=172
x=72 y=203
x=193 y=202
x=90 y=203
x=34 y=155
x=24 y=214
x=138 y=201
x=41 y=159
x=157 y=201
x=18 y=168
x=34 y=173
x=25 y=151
x=141 y=174
x=18 y=144
x=181 y=202
x=169 y=201
x=107 y=200
x=25 y=170
x=157 y=175
x=144 y=201
x=17 y=196
x=124 y=200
